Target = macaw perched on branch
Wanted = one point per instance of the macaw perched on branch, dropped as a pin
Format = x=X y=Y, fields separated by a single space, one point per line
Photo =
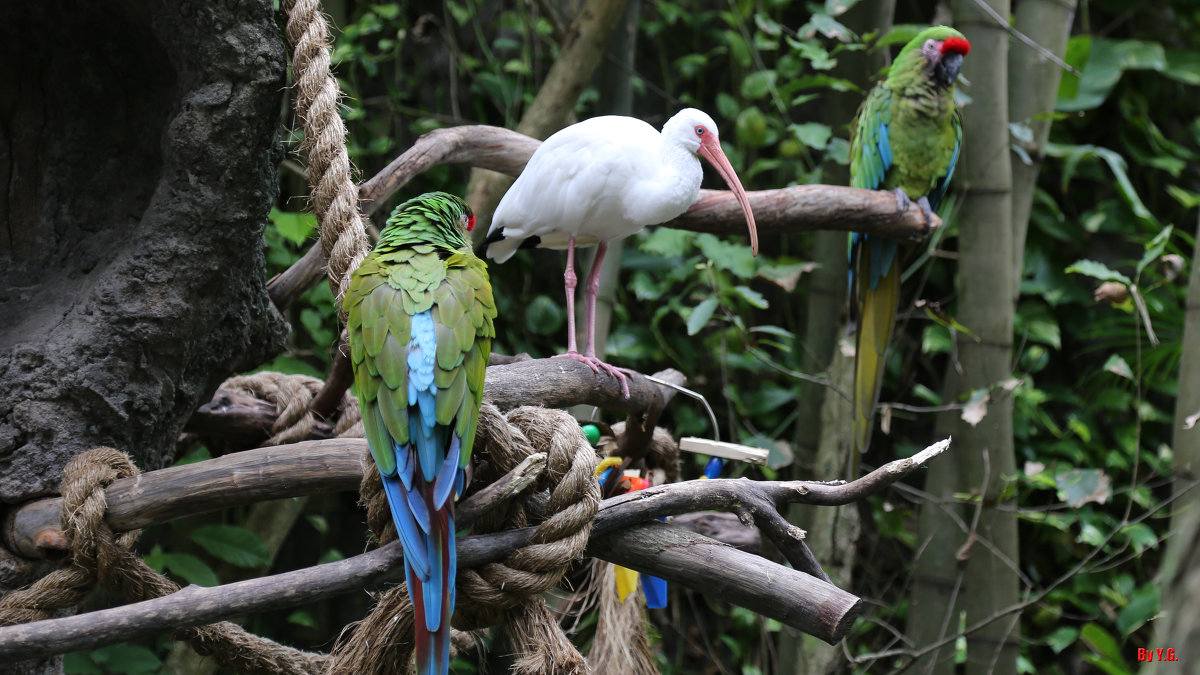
x=906 y=139
x=420 y=313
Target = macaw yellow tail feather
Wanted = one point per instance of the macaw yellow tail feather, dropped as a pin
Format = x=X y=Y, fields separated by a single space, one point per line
x=876 y=321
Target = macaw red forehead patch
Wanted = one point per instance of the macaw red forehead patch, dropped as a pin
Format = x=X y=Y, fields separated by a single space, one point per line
x=956 y=45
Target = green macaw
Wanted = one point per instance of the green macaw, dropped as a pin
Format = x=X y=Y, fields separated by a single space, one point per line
x=420 y=312
x=906 y=138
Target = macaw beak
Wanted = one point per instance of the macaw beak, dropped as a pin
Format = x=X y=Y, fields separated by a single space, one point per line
x=946 y=71
x=710 y=149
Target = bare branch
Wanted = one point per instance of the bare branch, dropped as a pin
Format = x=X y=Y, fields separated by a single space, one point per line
x=790 y=596
x=675 y=554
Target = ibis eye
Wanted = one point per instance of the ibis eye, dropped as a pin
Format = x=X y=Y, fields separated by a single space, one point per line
x=699 y=131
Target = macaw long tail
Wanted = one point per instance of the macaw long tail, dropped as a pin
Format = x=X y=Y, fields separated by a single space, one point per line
x=431 y=532
x=876 y=321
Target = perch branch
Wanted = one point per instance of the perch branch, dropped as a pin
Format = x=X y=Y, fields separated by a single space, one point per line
x=341 y=375
x=313 y=467
x=242 y=419
x=799 y=208
x=790 y=596
x=675 y=554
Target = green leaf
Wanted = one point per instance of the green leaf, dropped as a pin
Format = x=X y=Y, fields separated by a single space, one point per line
x=544 y=316
x=758 y=84
x=899 y=34
x=155 y=559
x=295 y=227
x=1101 y=641
x=1117 y=365
x=1154 y=249
x=734 y=258
x=813 y=134
x=302 y=618
x=332 y=555
x=700 y=315
x=233 y=544
x=1106 y=61
x=667 y=242
x=1077 y=487
x=1061 y=638
x=1142 y=607
x=128 y=659
x=751 y=296
x=192 y=569
x=1098 y=271
x=318 y=522
x=80 y=663
x=751 y=127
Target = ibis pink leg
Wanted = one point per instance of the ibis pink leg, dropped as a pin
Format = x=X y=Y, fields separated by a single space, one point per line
x=593 y=288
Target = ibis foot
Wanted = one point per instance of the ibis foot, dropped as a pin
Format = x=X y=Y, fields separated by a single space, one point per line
x=597 y=365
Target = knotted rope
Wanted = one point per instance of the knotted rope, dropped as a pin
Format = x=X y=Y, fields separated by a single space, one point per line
x=293 y=396
x=560 y=504
x=99 y=555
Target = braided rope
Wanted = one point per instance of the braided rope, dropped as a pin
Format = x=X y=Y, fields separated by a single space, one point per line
x=334 y=194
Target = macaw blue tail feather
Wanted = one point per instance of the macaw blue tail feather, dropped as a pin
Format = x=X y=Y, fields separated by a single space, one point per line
x=433 y=599
x=655 y=590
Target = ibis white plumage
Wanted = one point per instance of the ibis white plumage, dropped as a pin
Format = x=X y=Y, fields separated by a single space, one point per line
x=603 y=179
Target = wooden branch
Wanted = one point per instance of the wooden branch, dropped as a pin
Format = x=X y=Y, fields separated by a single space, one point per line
x=510 y=485
x=554 y=383
x=680 y=556
x=804 y=208
x=724 y=527
x=480 y=146
x=285 y=287
x=814 y=606
x=790 y=596
x=313 y=467
x=242 y=419
x=560 y=383
x=341 y=376
x=799 y=208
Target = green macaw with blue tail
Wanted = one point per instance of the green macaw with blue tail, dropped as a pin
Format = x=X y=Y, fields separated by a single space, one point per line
x=420 y=313
x=906 y=139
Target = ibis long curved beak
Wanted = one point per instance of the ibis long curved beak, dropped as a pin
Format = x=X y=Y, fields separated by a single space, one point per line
x=710 y=149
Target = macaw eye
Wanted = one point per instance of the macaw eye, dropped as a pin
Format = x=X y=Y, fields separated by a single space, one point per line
x=471 y=222
x=700 y=131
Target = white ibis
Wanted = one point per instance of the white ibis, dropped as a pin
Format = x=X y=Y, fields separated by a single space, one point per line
x=603 y=179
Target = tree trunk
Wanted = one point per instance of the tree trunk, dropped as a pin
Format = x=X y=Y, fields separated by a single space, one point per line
x=824 y=422
x=1032 y=88
x=1180 y=625
x=986 y=306
x=139 y=162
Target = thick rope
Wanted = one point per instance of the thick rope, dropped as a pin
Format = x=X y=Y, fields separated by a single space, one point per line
x=292 y=396
x=100 y=556
x=334 y=194
x=561 y=505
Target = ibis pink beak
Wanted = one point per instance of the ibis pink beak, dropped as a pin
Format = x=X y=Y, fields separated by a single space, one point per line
x=710 y=149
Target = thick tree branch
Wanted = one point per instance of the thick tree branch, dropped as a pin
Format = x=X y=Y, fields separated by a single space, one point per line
x=313 y=467
x=618 y=535
x=672 y=553
x=800 y=208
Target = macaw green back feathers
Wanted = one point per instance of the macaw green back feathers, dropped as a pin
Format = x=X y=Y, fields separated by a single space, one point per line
x=906 y=137
x=420 y=320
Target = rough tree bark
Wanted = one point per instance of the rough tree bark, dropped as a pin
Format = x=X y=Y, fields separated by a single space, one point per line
x=137 y=153
x=823 y=434
x=985 y=304
x=1180 y=625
